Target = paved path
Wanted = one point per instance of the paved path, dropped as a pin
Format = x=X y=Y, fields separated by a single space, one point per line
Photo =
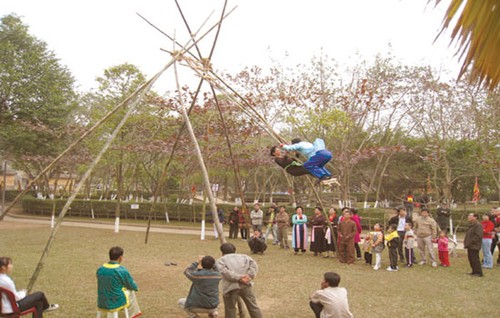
x=110 y=226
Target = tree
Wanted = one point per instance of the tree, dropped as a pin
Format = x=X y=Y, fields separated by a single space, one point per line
x=476 y=30
x=348 y=108
x=36 y=98
x=485 y=113
x=115 y=86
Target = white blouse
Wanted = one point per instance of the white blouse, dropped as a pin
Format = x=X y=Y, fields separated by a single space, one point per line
x=7 y=283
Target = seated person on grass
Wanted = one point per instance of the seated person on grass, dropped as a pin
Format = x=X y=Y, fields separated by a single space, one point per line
x=24 y=300
x=114 y=283
x=330 y=300
x=257 y=243
x=203 y=295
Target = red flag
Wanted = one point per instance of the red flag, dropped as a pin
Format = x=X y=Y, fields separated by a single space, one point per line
x=476 y=195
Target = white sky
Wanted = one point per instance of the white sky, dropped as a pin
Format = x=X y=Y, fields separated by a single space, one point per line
x=90 y=36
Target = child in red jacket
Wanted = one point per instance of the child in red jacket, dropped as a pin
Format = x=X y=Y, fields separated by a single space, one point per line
x=442 y=242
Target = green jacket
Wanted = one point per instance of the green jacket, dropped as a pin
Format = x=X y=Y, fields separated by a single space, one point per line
x=204 y=292
x=112 y=282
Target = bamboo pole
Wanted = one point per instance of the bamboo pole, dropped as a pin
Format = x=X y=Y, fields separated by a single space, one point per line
x=138 y=94
x=62 y=154
x=201 y=162
x=221 y=116
x=223 y=86
x=99 y=123
x=269 y=129
x=226 y=89
x=198 y=66
x=230 y=93
x=236 y=168
x=4 y=184
x=135 y=98
x=167 y=164
x=163 y=175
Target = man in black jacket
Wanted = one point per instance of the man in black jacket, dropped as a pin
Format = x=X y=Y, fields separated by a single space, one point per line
x=472 y=242
x=400 y=220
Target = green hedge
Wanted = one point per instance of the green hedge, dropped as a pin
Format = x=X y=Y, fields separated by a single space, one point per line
x=176 y=212
x=10 y=195
x=106 y=209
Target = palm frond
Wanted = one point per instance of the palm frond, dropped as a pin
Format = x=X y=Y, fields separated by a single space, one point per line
x=477 y=32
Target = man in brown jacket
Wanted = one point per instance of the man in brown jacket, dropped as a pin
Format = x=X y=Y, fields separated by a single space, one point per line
x=472 y=242
x=282 y=220
x=347 y=231
x=426 y=230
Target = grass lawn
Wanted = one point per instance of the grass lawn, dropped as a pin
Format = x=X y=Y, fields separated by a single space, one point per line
x=283 y=284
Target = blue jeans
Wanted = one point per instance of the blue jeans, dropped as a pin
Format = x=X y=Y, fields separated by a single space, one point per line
x=316 y=164
x=487 y=258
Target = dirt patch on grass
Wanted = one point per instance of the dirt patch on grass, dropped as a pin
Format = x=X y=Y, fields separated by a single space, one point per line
x=266 y=304
x=8 y=225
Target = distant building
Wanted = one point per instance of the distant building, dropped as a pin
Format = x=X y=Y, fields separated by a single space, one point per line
x=18 y=180
x=14 y=180
x=63 y=183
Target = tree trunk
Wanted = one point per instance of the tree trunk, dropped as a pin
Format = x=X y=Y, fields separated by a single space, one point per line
x=373 y=178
